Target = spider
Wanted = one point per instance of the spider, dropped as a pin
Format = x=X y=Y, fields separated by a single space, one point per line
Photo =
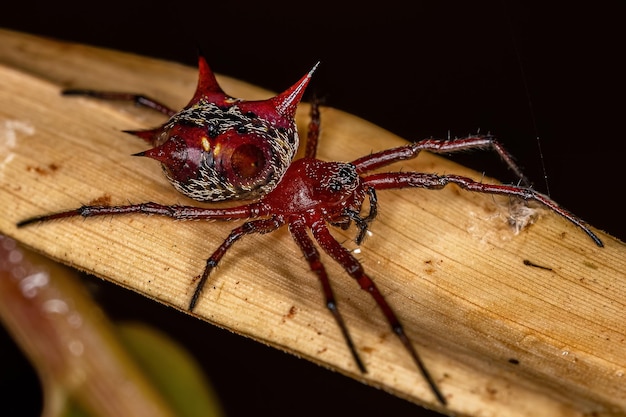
x=219 y=148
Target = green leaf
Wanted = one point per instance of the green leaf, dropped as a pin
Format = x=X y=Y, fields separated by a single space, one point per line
x=172 y=370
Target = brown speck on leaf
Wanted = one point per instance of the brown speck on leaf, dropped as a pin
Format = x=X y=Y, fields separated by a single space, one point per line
x=489 y=208
x=290 y=314
x=43 y=170
x=104 y=200
x=590 y=265
x=492 y=391
x=367 y=349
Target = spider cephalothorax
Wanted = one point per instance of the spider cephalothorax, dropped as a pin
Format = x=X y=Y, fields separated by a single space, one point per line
x=221 y=148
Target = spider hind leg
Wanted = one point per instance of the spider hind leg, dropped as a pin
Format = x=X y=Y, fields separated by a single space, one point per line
x=353 y=267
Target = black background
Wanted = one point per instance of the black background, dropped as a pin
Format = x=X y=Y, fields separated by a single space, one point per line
x=518 y=69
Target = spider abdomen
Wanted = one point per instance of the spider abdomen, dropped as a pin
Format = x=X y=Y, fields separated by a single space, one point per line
x=210 y=153
x=220 y=148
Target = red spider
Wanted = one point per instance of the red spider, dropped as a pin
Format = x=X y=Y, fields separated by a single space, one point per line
x=222 y=148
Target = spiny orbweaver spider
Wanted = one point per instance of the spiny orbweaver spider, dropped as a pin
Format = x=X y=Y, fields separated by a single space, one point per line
x=221 y=148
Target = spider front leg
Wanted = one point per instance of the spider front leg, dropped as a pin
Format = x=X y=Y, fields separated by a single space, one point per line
x=389 y=156
x=391 y=180
x=353 y=267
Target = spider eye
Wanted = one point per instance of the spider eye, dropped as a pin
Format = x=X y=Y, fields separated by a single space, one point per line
x=247 y=161
x=343 y=179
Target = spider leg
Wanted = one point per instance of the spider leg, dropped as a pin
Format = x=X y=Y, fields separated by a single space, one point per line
x=313 y=132
x=175 y=212
x=255 y=226
x=299 y=233
x=352 y=266
x=389 y=156
x=431 y=181
x=138 y=99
